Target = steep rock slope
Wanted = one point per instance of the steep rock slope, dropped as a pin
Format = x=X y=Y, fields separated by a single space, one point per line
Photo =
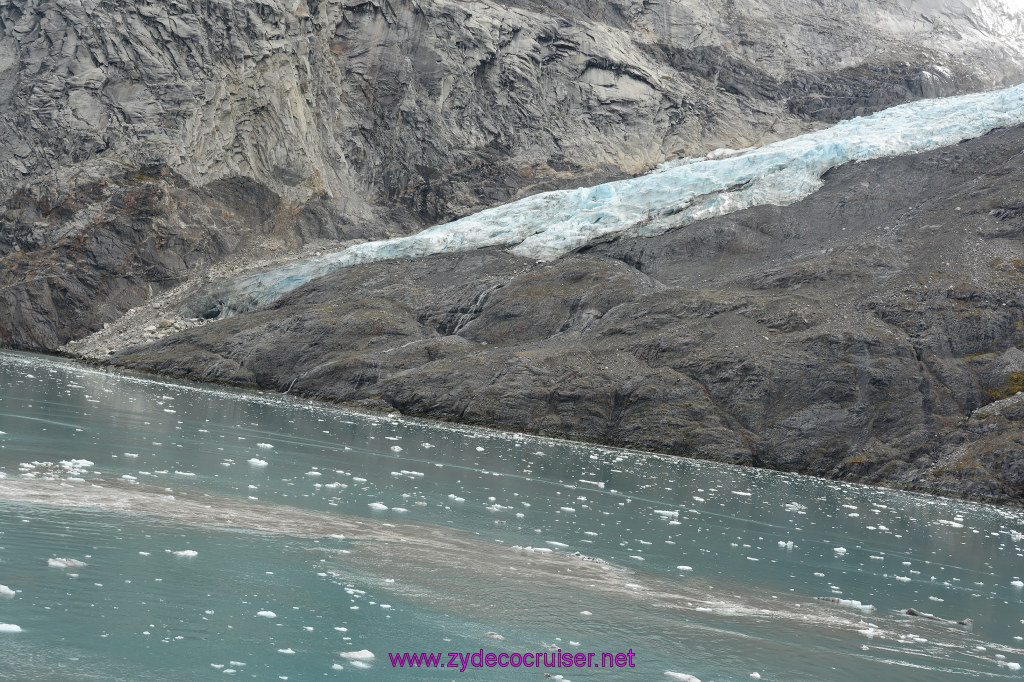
x=871 y=331
x=141 y=143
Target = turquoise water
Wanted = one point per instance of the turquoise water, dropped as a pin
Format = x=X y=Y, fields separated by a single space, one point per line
x=229 y=534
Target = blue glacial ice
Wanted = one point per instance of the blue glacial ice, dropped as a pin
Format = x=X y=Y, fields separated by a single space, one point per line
x=546 y=226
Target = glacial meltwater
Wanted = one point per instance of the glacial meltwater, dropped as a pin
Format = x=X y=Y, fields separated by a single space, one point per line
x=161 y=531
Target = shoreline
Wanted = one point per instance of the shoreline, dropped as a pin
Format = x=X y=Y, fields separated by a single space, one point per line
x=437 y=420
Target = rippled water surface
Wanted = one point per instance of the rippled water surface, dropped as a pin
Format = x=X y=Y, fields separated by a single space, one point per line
x=159 y=531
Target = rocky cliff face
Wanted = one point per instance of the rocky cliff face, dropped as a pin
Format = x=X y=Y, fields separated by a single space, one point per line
x=141 y=142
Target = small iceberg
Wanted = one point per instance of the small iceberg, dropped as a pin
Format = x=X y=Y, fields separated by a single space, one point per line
x=61 y=562
x=9 y=627
x=361 y=655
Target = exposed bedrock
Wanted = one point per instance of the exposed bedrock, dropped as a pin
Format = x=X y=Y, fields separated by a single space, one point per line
x=872 y=331
x=143 y=142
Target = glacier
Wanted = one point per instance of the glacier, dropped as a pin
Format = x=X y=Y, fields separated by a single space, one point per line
x=548 y=225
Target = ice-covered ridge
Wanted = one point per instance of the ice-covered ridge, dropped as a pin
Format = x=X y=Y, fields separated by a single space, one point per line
x=546 y=226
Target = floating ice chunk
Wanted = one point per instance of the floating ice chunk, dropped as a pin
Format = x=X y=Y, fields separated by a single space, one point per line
x=685 y=568
x=555 y=543
x=568 y=510
x=672 y=513
x=256 y=462
x=951 y=524
x=756 y=675
x=361 y=655
x=186 y=553
x=268 y=446
x=62 y=562
x=72 y=466
x=358 y=480
x=289 y=650
x=741 y=493
x=9 y=627
x=1010 y=665
x=6 y=591
x=266 y=614
x=839 y=550
x=377 y=506
x=1017 y=583
x=682 y=677
x=854 y=604
x=313 y=473
x=396 y=448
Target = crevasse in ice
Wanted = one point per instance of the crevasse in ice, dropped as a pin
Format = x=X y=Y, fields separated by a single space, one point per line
x=546 y=226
